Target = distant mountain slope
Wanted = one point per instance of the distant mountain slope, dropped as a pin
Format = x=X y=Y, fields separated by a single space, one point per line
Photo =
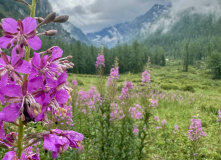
x=76 y=33
x=126 y=31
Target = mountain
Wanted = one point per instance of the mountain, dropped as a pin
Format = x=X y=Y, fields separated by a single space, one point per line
x=76 y=33
x=17 y=10
x=126 y=31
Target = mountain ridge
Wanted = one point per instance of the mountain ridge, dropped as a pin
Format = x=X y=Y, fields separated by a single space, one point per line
x=124 y=32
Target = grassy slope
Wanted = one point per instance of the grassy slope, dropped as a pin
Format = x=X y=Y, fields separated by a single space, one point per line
x=179 y=106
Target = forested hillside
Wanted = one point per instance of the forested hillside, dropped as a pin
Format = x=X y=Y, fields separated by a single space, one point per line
x=195 y=37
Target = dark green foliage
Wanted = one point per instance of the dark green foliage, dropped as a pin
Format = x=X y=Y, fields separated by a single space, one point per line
x=189 y=88
x=214 y=62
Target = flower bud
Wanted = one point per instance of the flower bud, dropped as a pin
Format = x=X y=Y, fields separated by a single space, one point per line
x=69 y=57
x=39 y=19
x=17 y=50
x=15 y=42
x=51 y=32
x=8 y=45
x=61 y=19
x=50 y=18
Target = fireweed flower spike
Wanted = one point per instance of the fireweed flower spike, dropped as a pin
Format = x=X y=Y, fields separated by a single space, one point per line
x=196 y=131
x=32 y=87
x=100 y=60
x=20 y=33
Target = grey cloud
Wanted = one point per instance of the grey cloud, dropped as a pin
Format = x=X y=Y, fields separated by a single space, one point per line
x=93 y=15
x=165 y=23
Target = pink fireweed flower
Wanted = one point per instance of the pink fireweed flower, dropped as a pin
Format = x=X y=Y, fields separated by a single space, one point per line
x=154 y=103
x=13 y=65
x=100 y=60
x=11 y=155
x=58 y=141
x=20 y=33
x=219 y=115
x=156 y=118
x=122 y=115
x=145 y=77
x=21 y=101
x=138 y=115
x=84 y=111
x=114 y=75
x=136 y=130
x=195 y=131
x=49 y=67
x=136 y=112
x=116 y=112
x=176 y=128
x=75 y=83
x=158 y=127
x=125 y=91
x=164 y=122
x=89 y=98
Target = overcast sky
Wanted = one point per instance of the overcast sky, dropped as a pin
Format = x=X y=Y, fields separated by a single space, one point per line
x=94 y=15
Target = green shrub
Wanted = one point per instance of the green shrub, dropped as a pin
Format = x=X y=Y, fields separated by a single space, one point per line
x=188 y=88
x=169 y=86
x=80 y=82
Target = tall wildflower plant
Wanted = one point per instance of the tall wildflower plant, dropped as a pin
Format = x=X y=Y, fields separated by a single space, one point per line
x=100 y=63
x=33 y=89
x=112 y=82
x=195 y=133
x=144 y=134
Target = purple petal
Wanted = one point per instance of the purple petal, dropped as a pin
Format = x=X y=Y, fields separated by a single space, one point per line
x=15 y=56
x=2 y=116
x=4 y=81
x=10 y=25
x=24 y=68
x=12 y=90
x=62 y=96
x=5 y=58
x=4 y=41
x=51 y=82
x=49 y=142
x=36 y=60
x=62 y=78
x=54 y=155
x=56 y=53
x=53 y=67
x=73 y=137
x=34 y=42
x=33 y=73
x=11 y=155
x=35 y=84
x=11 y=112
x=56 y=131
x=29 y=24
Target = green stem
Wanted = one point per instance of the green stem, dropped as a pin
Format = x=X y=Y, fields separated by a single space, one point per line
x=20 y=136
x=27 y=56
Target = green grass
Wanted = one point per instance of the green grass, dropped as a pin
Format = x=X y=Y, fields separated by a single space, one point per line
x=183 y=95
